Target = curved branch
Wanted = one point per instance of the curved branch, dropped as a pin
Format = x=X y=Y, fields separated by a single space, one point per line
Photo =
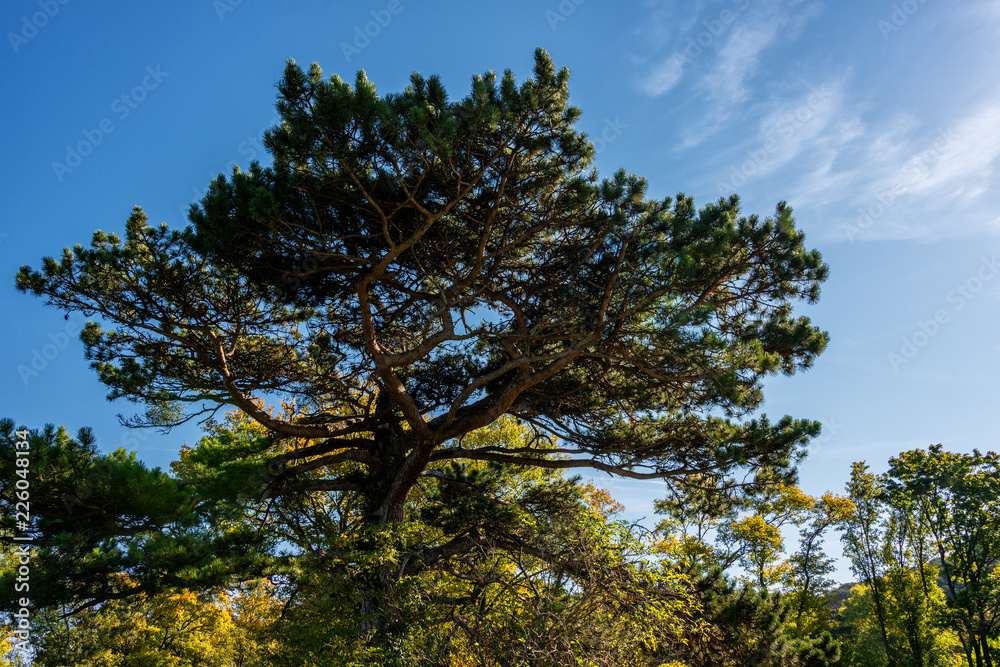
x=313 y=485
x=478 y=455
x=333 y=459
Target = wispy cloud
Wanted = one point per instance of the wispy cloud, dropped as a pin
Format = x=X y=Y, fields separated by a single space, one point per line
x=738 y=60
x=909 y=167
x=892 y=141
x=664 y=76
x=902 y=180
x=804 y=120
x=815 y=118
x=726 y=33
x=664 y=20
x=963 y=165
x=725 y=86
x=743 y=37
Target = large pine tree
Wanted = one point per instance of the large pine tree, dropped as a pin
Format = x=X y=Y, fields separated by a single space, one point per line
x=411 y=269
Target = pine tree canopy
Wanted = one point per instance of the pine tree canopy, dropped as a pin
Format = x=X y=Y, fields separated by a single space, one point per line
x=410 y=269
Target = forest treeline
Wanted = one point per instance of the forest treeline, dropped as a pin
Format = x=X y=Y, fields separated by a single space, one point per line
x=714 y=583
x=406 y=338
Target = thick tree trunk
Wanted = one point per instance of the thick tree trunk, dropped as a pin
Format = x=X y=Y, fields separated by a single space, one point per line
x=385 y=497
x=384 y=502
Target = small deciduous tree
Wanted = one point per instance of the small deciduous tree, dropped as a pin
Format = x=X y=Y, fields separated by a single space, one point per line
x=807 y=577
x=932 y=511
x=865 y=546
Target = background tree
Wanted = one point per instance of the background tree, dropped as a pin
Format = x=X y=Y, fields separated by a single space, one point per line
x=175 y=629
x=807 y=577
x=864 y=544
x=956 y=502
x=708 y=526
x=692 y=518
x=747 y=626
x=861 y=636
x=754 y=540
x=908 y=613
x=932 y=512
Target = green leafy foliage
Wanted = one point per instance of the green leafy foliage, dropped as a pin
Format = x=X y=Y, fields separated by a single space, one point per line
x=745 y=626
x=953 y=501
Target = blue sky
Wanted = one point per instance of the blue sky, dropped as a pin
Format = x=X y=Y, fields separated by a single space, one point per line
x=879 y=122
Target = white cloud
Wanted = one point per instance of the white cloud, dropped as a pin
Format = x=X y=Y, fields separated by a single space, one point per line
x=904 y=181
x=664 y=76
x=666 y=16
x=894 y=140
x=813 y=120
x=726 y=85
x=733 y=33
x=809 y=127
x=738 y=60
x=960 y=161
